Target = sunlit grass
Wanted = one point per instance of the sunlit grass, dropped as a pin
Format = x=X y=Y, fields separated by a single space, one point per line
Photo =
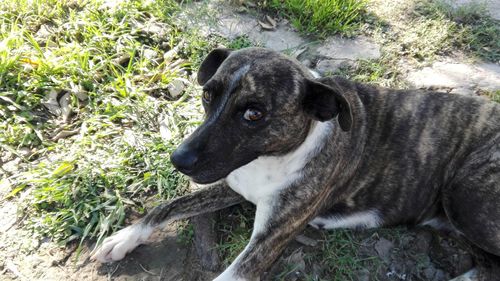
x=85 y=103
x=84 y=171
x=322 y=17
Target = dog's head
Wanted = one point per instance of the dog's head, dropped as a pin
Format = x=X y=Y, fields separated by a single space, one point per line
x=257 y=102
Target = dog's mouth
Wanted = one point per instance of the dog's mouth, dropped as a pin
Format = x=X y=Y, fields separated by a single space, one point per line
x=205 y=178
x=204 y=175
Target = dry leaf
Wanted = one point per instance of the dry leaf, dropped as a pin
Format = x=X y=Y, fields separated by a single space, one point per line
x=65 y=103
x=297 y=52
x=271 y=21
x=64 y=134
x=266 y=26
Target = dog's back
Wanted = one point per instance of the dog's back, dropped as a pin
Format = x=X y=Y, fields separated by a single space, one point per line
x=428 y=155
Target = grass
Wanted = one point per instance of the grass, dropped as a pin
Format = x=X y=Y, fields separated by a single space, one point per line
x=322 y=17
x=413 y=34
x=493 y=95
x=341 y=258
x=97 y=149
x=235 y=227
x=430 y=28
x=469 y=27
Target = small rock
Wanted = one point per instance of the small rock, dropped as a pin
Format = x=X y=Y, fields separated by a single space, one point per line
x=24 y=151
x=165 y=45
x=155 y=29
x=383 y=248
x=176 y=87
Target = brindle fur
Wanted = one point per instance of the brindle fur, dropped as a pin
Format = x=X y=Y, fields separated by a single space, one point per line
x=410 y=154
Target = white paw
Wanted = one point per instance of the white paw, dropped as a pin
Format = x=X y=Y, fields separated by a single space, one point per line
x=115 y=247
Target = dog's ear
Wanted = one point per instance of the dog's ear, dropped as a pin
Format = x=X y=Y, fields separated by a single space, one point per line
x=323 y=102
x=211 y=63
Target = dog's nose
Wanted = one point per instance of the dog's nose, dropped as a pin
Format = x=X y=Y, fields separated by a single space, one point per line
x=184 y=159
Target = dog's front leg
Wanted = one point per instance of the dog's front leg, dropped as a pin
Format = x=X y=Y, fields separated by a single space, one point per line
x=277 y=221
x=205 y=200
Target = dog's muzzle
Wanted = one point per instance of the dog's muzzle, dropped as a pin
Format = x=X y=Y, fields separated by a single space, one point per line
x=184 y=159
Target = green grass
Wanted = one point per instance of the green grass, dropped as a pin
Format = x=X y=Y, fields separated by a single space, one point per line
x=423 y=29
x=82 y=173
x=414 y=34
x=341 y=259
x=322 y=17
x=493 y=95
x=469 y=27
x=234 y=232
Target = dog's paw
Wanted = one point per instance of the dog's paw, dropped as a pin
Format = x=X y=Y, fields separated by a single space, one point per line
x=115 y=247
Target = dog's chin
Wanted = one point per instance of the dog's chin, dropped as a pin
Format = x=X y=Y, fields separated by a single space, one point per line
x=205 y=179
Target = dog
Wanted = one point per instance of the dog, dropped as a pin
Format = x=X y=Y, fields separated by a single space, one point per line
x=330 y=153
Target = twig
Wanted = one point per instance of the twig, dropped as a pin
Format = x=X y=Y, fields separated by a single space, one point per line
x=147 y=270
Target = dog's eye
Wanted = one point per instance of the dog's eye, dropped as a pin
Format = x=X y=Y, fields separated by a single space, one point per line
x=206 y=96
x=252 y=114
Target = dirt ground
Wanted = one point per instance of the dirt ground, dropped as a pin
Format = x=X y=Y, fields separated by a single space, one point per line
x=402 y=253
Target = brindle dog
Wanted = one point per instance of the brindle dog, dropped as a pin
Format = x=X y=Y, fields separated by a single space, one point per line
x=330 y=153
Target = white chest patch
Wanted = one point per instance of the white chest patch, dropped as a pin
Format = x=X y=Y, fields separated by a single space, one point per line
x=267 y=175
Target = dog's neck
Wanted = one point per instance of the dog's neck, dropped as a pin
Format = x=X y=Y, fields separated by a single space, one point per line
x=267 y=175
x=325 y=143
